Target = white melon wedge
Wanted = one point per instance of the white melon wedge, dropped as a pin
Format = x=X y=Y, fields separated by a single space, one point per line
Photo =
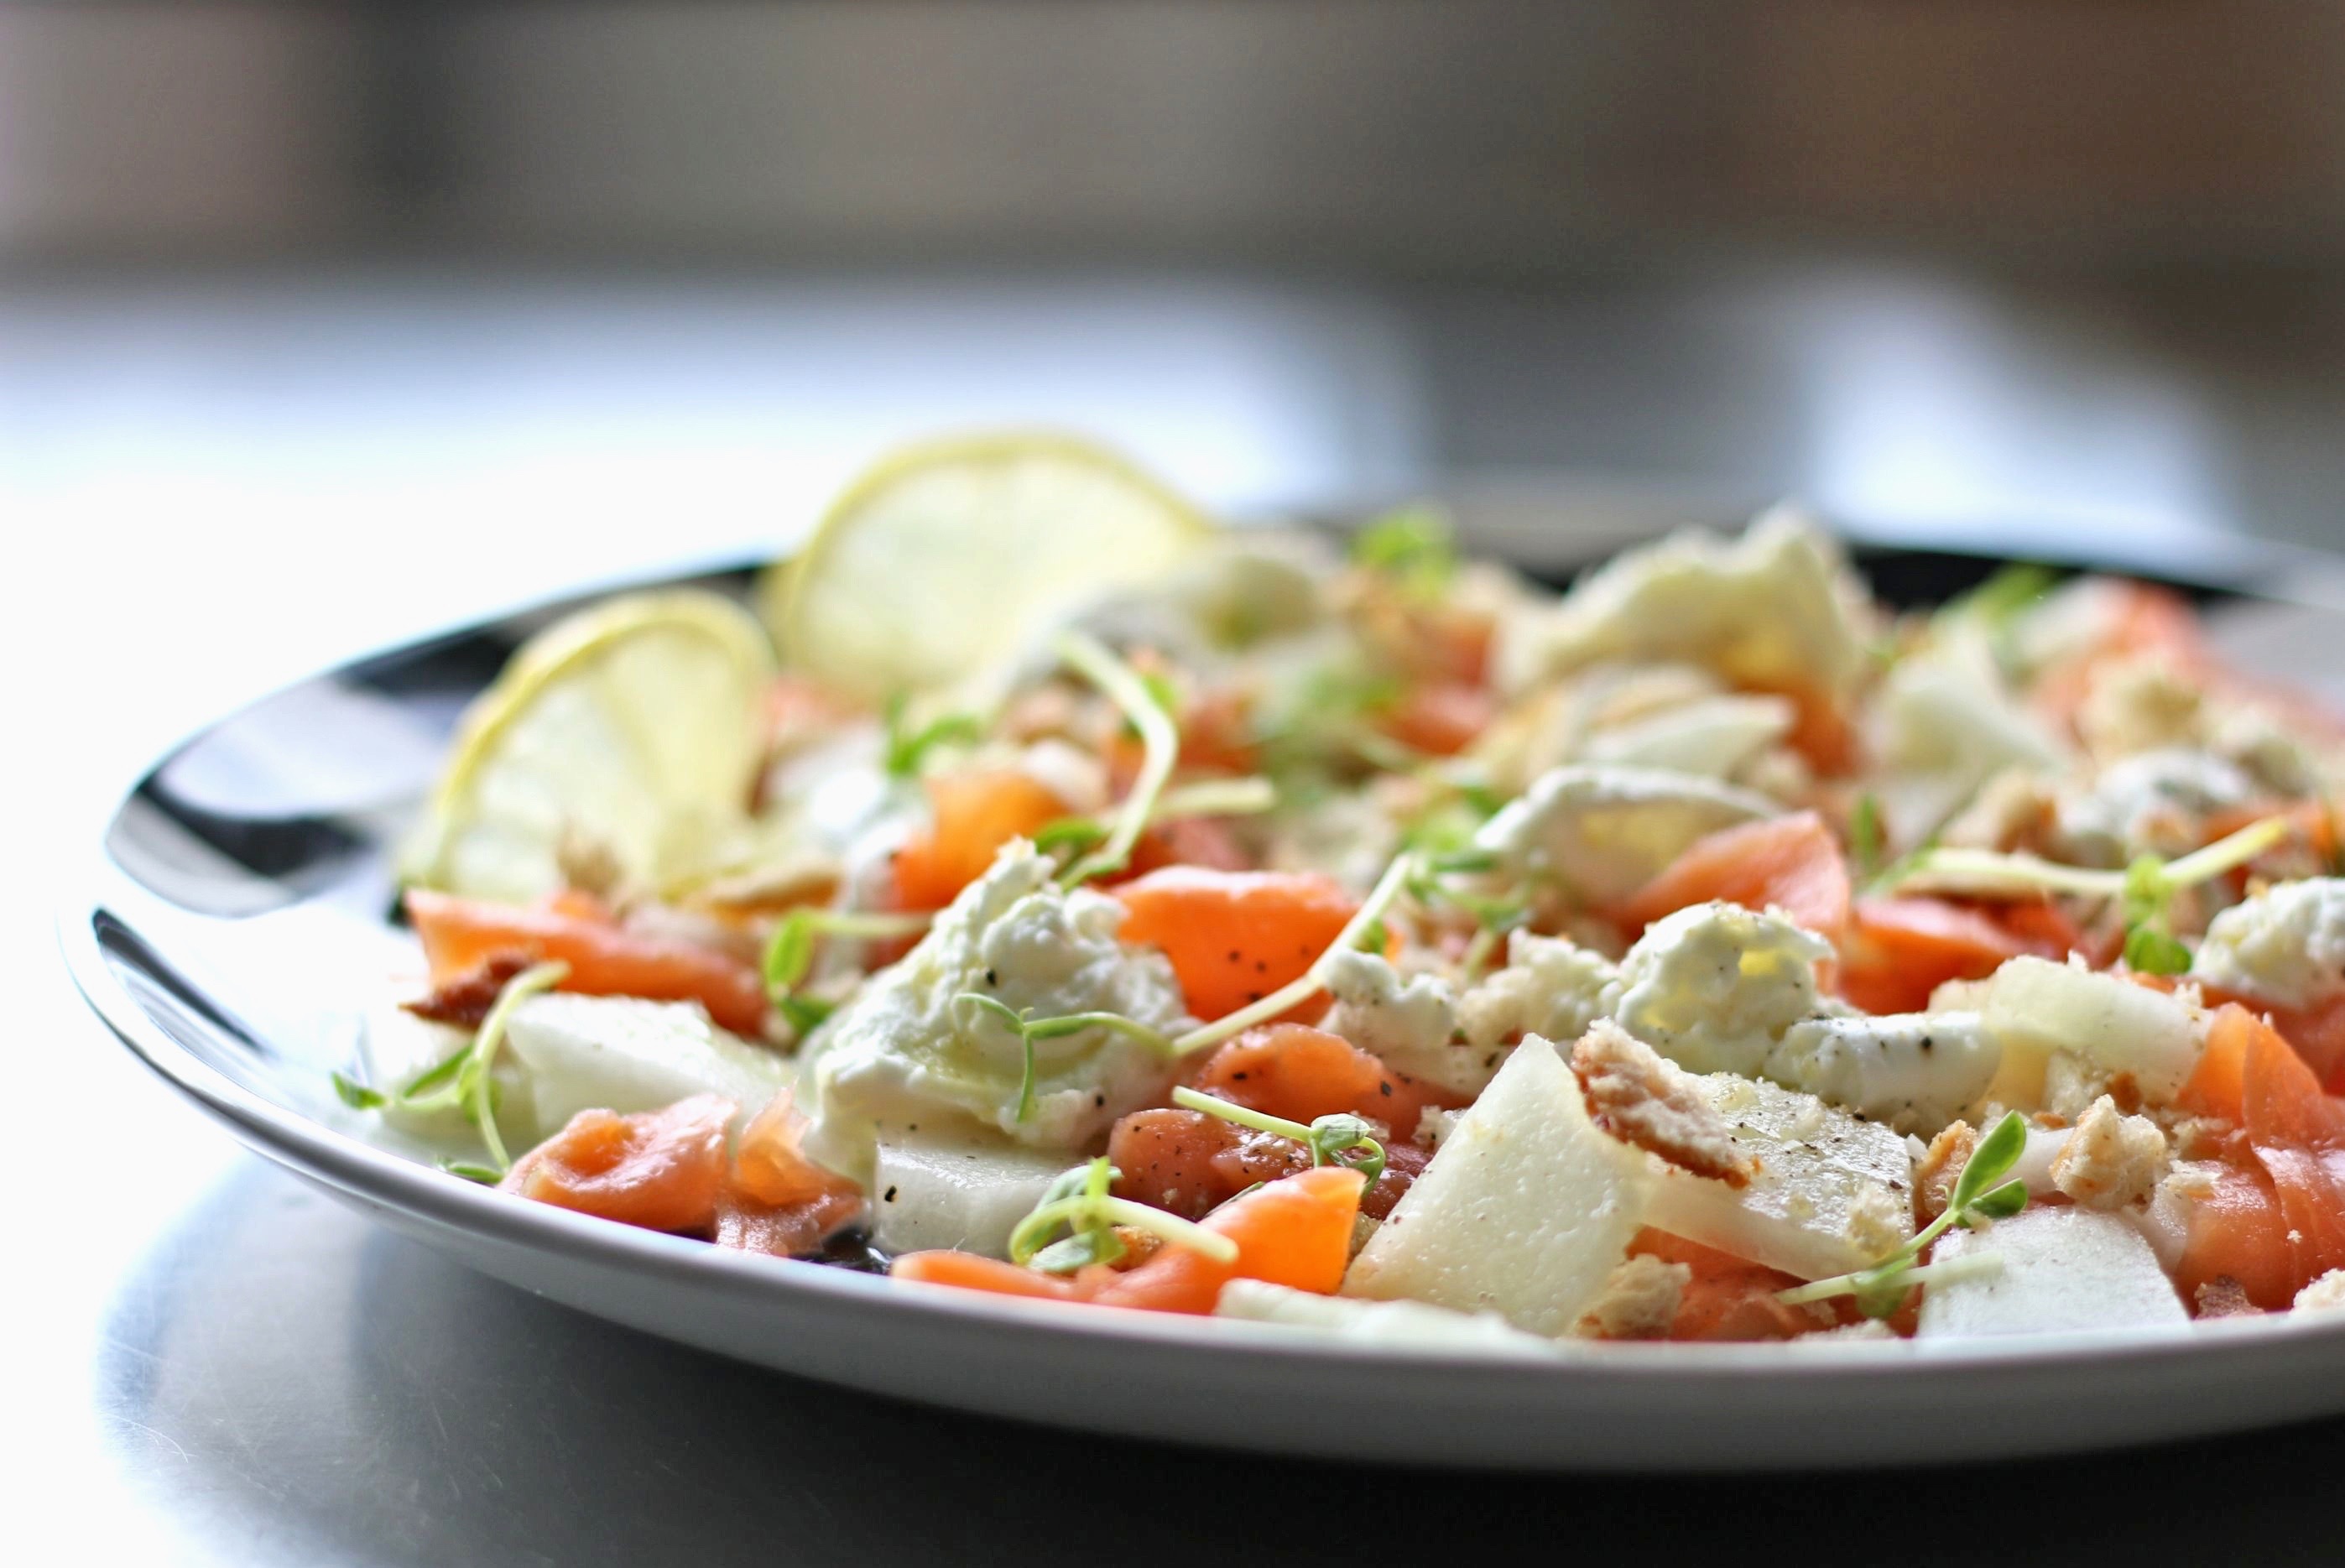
x=1384 y=1325
x=2062 y=1268
x=616 y=1053
x=1523 y=1211
x=964 y=1189
x=1830 y=1194
x=2034 y=1007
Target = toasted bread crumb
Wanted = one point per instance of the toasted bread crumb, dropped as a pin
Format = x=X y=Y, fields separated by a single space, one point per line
x=1639 y=1097
x=2224 y=1297
x=1639 y=1300
x=2325 y=1294
x=1941 y=1164
x=2111 y=1160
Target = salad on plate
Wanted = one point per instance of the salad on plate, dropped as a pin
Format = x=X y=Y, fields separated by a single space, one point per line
x=1041 y=890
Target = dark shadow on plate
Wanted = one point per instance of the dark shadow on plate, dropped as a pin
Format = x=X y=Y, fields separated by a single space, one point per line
x=342 y=1394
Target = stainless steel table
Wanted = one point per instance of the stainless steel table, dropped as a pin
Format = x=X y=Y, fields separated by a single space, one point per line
x=207 y=489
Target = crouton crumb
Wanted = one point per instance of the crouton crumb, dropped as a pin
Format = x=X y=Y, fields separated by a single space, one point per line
x=1639 y=1300
x=1639 y=1097
x=2224 y=1297
x=1941 y=1164
x=2325 y=1294
x=2111 y=1160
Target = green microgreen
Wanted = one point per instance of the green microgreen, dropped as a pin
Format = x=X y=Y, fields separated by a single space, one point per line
x=1980 y=1195
x=1207 y=797
x=357 y=1096
x=1031 y=1030
x=1159 y=742
x=908 y=748
x=789 y=951
x=1338 y=1139
x=1414 y=547
x=1078 y=1204
x=1866 y=838
x=487 y=1176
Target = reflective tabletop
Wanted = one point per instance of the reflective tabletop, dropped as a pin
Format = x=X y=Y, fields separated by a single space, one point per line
x=216 y=1364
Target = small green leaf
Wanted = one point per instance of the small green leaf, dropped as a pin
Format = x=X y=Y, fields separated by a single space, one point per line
x=2001 y=1202
x=1864 y=836
x=804 y=1014
x=789 y=953
x=1996 y=1153
x=1074 y=834
x=2150 y=951
x=487 y=1176
x=357 y=1096
x=1375 y=936
x=1068 y=1253
x=2001 y=598
x=1415 y=546
x=2147 y=890
x=1334 y=1136
x=908 y=750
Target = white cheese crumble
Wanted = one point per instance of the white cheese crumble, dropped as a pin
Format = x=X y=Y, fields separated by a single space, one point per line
x=1407 y=1022
x=1908 y=1069
x=2286 y=945
x=1715 y=985
x=900 y=1049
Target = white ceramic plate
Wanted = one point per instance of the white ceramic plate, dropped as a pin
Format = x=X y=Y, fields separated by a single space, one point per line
x=238 y=909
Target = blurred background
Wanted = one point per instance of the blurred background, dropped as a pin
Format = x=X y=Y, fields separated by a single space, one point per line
x=427 y=266
x=323 y=323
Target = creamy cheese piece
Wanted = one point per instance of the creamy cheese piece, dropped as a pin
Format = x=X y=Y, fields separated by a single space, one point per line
x=1945 y=722
x=1550 y=986
x=1915 y=1071
x=1776 y=609
x=2062 y=1268
x=900 y=1048
x=1605 y=831
x=1524 y=1211
x=2155 y=802
x=1384 y=1325
x=2286 y=945
x=1828 y=1193
x=1409 y=1024
x=1714 y=986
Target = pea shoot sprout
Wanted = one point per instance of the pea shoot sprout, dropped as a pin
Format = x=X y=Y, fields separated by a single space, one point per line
x=1330 y=1138
x=1160 y=749
x=1414 y=546
x=2145 y=890
x=462 y=1079
x=1079 y=1203
x=1881 y=1290
x=1207 y=797
x=907 y=749
x=789 y=953
x=1029 y=1030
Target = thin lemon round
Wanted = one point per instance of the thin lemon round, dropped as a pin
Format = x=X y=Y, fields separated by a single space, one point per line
x=944 y=559
x=627 y=734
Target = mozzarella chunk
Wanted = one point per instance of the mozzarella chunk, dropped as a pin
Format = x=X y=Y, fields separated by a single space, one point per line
x=1914 y=1070
x=619 y=1054
x=900 y=1050
x=1524 y=1211
x=1715 y=985
x=1384 y=1325
x=397 y=1047
x=1775 y=610
x=1550 y=986
x=2155 y=802
x=2062 y=1269
x=1830 y=1193
x=1605 y=831
x=2034 y=1007
x=960 y=1186
x=2286 y=945
x=1409 y=1024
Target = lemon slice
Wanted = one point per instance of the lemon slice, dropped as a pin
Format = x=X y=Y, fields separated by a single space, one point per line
x=943 y=560
x=629 y=731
